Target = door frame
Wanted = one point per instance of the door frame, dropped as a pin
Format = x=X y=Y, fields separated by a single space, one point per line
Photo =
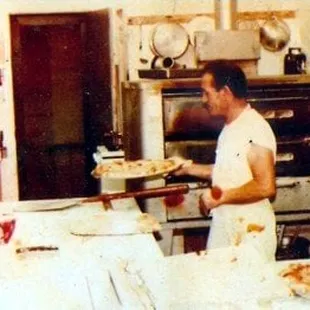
x=8 y=165
x=9 y=179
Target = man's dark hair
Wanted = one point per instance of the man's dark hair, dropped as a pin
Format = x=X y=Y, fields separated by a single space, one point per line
x=227 y=74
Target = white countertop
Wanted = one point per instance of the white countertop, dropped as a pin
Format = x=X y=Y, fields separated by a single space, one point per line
x=219 y=281
x=77 y=275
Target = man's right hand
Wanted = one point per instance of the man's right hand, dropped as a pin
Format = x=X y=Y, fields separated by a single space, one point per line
x=201 y=171
x=183 y=168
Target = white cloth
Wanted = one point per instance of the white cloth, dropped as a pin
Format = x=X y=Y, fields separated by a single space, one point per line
x=241 y=224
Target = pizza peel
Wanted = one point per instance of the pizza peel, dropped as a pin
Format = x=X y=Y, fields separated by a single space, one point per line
x=105 y=198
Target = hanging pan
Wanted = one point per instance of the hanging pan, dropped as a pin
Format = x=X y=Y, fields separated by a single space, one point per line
x=274 y=34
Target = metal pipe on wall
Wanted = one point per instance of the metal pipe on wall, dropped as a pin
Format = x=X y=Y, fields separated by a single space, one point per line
x=225 y=11
x=218 y=12
x=233 y=14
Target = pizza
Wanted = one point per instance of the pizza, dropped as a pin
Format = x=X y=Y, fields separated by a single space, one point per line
x=298 y=277
x=137 y=168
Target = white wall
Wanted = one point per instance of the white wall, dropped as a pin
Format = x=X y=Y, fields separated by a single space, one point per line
x=270 y=63
x=273 y=62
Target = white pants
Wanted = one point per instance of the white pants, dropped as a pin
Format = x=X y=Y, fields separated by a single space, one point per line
x=251 y=225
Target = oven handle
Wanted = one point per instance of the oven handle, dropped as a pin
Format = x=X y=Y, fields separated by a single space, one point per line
x=305 y=140
x=254 y=100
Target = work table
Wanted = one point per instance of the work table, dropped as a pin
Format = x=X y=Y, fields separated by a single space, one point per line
x=78 y=275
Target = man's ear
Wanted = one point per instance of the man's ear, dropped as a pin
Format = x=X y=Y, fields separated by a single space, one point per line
x=227 y=90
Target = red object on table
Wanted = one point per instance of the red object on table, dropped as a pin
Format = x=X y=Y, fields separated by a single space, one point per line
x=7 y=226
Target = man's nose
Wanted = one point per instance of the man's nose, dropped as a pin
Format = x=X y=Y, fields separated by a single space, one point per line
x=204 y=100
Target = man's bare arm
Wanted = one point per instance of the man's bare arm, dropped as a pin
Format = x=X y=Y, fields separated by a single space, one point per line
x=263 y=184
x=197 y=170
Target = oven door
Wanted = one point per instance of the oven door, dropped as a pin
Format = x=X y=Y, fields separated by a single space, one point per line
x=186 y=118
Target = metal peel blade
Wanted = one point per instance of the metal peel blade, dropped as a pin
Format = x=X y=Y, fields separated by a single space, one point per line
x=38 y=206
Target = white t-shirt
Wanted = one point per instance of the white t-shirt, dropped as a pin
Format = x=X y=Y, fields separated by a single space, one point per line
x=231 y=167
x=231 y=222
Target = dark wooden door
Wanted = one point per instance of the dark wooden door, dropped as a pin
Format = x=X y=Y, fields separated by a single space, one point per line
x=51 y=111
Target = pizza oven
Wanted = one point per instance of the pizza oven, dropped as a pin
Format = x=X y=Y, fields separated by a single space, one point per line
x=191 y=133
x=164 y=118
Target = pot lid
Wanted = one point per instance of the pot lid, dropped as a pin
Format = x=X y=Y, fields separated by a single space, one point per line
x=169 y=40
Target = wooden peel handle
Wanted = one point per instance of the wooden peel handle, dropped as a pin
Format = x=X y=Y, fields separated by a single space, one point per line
x=142 y=194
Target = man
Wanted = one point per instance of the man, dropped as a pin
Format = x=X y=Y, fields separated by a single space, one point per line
x=244 y=168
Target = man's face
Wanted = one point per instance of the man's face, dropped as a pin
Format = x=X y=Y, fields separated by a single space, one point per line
x=212 y=99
